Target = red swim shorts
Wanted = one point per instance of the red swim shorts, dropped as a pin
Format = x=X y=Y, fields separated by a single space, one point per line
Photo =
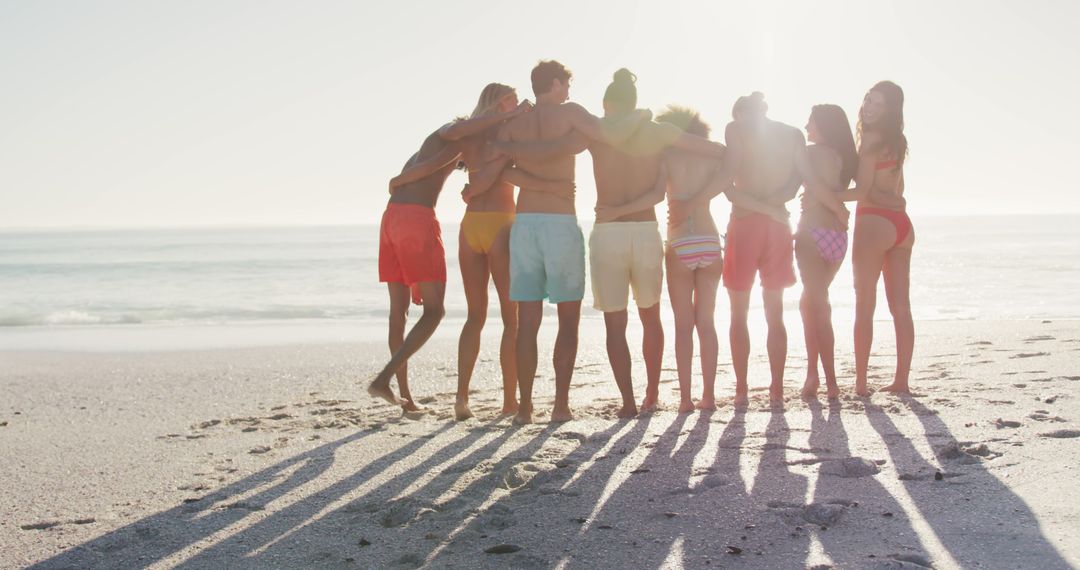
x=411 y=247
x=758 y=243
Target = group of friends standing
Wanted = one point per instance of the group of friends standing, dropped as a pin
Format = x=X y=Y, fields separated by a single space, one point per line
x=534 y=249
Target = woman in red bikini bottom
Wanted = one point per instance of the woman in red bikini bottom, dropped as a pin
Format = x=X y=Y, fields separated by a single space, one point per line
x=883 y=234
x=821 y=239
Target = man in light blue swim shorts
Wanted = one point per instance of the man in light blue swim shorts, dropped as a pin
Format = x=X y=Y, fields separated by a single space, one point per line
x=547 y=248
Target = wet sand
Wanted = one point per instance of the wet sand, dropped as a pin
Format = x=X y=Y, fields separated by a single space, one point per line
x=275 y=457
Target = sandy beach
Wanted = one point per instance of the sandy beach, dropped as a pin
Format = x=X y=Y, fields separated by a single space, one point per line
x=273 y=457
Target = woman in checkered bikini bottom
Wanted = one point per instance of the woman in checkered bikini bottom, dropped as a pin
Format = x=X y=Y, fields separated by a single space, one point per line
x=821 y=240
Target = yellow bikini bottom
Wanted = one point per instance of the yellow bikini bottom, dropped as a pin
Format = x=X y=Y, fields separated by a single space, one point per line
x=479 y=229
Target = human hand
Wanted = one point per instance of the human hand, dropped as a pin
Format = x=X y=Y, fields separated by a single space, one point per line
x=606 y=214
x=523 y=107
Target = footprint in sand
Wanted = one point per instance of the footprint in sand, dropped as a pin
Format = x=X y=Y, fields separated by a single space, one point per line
x=1039 y=338
x=1061 y=434
x=1029 y=354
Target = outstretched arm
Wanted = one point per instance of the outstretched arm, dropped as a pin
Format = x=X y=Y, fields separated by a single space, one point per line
x=748 y=202
x=425 y=168
x=502 y=170
x=646 y=200
x=468 y=127
x=540 y=151
x=864 y=177
x=611 y=132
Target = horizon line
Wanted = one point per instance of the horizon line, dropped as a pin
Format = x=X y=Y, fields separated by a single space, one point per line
x=298 y=225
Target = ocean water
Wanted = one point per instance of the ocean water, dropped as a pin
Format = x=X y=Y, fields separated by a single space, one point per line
x=326 y=278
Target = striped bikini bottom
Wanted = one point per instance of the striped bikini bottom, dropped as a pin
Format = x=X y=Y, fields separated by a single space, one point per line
x=697 y=252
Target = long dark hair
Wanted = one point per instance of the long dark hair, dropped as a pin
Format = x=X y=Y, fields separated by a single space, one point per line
x=891 y=125
x=835 y=130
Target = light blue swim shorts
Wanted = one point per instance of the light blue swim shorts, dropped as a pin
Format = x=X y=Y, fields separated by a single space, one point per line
x=547 y=258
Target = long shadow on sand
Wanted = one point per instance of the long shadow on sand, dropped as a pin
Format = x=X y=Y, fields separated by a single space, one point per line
x=977 y=519
x=641 y=493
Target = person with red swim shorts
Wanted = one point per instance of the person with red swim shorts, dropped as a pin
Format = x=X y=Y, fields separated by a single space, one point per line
x=412 y=262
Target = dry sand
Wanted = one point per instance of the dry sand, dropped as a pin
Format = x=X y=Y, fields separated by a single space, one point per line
x=274 y=457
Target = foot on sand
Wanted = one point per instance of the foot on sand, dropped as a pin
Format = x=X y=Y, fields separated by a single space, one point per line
x=562 y=414
x=462 y=411
x=706 y=404
x=776 y=396
x=897 y=389
x=524 y=416
x=810 y=389
x=649 y=404
x=832 y=391
x=742 y=397
x=382 y=390
x=862 y=391
x=407 y=405
x=509 y=409
x=686 y=406
x=625 y=412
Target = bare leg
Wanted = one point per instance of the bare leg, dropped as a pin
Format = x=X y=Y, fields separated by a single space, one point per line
x=680 y=282
x=432 y=293
x=816 y=275
x=566 y=345
x=777 y=342
x=399 y=313
x=499 y=260
x=530 y=313
x=706 y=281
x=619 y=356
x=474 y=277
x=652 y=348
x=897 y=285
x=739 y=335
x=873 y=236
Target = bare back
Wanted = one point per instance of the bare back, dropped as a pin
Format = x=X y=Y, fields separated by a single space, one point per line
x=687 y=174
x=545 y=122
x=888 y=183
x=827 y=165
x=629 y=170
x=768 y=165
x=424 y=192
x=476 y=155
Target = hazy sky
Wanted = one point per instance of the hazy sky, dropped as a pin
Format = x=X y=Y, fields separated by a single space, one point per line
x=262 y=112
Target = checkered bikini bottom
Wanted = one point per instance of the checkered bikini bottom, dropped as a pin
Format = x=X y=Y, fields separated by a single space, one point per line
x=832 y=244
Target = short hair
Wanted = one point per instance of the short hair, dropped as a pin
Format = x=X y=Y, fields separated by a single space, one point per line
x=545 y=73
x=686 y=119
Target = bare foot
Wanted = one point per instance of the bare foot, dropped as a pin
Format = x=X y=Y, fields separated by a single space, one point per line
x=706 y=405
x=627 y=411
x=648 y=405
x=686 y=406
x=509 y=409
x=810 y=389
x=382 y=390
x=462 y=411
x=560 y=415
x=407 y=405
x=832 y=391
x=524 y=416
x=742 y=400
x=862 y=391
x=897 y=389
x=776 y=396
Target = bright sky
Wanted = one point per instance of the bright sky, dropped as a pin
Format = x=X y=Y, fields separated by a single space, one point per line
x=132 y=113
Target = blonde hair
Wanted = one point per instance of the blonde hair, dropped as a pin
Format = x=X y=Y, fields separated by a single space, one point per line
x=489 y=99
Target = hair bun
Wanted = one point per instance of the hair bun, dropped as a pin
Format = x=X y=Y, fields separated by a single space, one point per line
x=757 y=96
x=623 y=75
